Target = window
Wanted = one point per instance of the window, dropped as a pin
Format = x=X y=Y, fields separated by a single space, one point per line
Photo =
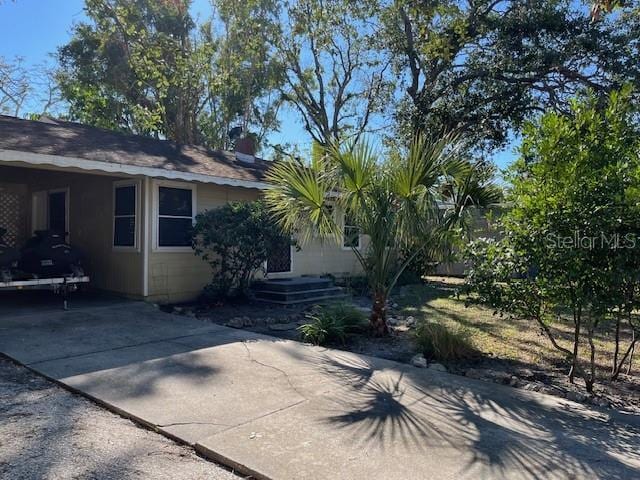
x=175 y=216
x=125 y=201
x=350 y=234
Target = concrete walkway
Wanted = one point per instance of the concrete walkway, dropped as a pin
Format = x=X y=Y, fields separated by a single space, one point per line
x=282 y=410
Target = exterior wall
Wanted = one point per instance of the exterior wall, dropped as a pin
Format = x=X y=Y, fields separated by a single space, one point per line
x=483 y=227
x=90 y=224
x=172 y=276
x=177 y=276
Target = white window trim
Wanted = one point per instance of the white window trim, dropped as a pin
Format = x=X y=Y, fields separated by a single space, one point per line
x=136 y=228
x=156 y=211
x=344 y=225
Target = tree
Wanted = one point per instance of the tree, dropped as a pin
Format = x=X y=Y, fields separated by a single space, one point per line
x=242 y=85
x=571 y=237
x=14 y=86
x=27 y=91
x=146 y=67
x=235 y=240
x=336 y=70
x=135 y=67
x=485 y=66
x=395 y=204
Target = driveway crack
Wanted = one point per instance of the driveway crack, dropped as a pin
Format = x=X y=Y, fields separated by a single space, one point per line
x=178 y=424
x=286 y=375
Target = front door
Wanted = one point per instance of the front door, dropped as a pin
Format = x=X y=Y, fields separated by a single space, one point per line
x=279 y=260
x=50 y=210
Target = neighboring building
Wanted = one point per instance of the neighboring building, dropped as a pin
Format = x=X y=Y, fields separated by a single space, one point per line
x=128 y=202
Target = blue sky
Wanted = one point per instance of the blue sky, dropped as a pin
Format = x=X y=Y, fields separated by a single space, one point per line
x=33 y=29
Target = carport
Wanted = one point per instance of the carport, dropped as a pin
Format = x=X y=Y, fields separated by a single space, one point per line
x=79 y=203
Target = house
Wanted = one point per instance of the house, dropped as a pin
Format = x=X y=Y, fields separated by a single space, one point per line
x=128 y=202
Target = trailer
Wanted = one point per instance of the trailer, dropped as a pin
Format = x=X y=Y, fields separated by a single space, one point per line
x=63 y=285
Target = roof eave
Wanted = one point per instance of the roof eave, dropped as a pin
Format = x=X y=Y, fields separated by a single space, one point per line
x=119 y=168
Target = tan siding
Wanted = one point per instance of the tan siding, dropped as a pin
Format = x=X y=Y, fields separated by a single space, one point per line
x=181 y=276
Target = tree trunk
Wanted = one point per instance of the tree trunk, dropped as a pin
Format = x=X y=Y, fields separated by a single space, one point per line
x=577 y=321
x=617 y=344
x=378 y=318
x=592 y=360
x=633 y=349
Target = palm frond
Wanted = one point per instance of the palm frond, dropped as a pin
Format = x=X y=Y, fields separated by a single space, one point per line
x=299 y=199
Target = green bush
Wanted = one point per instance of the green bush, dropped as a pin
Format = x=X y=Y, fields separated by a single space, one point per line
x=332 y=323
x=235 y=240
x=356 y=285
x=439 y=342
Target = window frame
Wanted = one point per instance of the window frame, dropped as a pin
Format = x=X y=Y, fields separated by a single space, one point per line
x=344 y=227
x=156 y=213
x=136 y=228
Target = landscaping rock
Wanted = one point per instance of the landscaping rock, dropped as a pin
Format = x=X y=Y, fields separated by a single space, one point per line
x=498 y=376
x=526 y=373
x=576 y=396
x=410 y=321
x=392 y=321
x=532 y=387
x=283 y=327
x=419 y=361
x=474 y=373
x=437 y=367
x=600 y=402
x=235 y=322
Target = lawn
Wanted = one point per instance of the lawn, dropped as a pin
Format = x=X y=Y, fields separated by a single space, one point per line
x=493 y=335
x=509 y=344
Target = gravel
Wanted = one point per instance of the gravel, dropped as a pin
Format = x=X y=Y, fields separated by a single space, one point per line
x=47 y=432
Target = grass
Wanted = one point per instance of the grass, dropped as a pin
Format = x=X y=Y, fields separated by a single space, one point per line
x=491 y=335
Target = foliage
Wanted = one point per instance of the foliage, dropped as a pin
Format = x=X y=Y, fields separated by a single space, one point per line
x=394 y=204
x=243 y=82
x=331 y=323
x=29 y=91
x=235 y=240
x=484 y=67
x=337 y=71
x=443 y=343
x=572 y=241
x=354 y=284
x=145 y=67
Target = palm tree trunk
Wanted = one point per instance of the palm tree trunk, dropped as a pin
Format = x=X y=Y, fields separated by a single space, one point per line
x=378 y=318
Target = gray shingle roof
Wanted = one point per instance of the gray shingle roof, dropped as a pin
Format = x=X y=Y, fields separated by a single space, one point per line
x=67 y=139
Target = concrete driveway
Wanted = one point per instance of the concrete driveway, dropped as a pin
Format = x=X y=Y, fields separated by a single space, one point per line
x=282 y=410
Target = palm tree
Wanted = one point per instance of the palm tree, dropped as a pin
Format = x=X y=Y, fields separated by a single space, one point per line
x=407 y=203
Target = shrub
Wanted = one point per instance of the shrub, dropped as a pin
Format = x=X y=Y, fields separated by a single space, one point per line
x=332 y=323
x=356 y=285
x=235 y=240
x=439 y=342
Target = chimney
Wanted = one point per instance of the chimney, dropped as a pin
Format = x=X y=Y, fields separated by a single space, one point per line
x=245 y=148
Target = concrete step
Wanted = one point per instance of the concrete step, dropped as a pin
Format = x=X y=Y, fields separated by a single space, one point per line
x=292 y=284
x=303 y=295
x=319 y=299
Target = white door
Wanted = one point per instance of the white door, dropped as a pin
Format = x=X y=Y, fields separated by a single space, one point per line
x=39 y=217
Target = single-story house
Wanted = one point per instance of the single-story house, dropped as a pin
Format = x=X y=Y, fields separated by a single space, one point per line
x=128 y=202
